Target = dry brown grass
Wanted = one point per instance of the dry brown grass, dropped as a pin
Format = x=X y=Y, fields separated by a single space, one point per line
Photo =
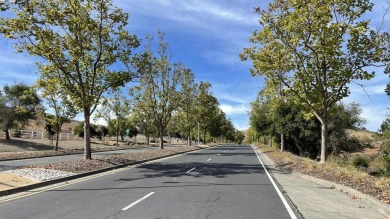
x=345 y=175
x=362 y=134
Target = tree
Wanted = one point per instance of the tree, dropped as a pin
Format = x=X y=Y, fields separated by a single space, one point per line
x=158 y=91
x=189 y=90
x=80 y=42
x=117 y=106
x=239 y=136
x=260 y=115
x=207 y=107
x=315 y=49
x=58 y=101
x=19 y=103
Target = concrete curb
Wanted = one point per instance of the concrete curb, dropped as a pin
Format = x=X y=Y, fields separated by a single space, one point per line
x=64 y=179
x=370 y=200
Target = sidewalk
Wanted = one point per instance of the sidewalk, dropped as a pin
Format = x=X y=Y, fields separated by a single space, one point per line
x=314 y=198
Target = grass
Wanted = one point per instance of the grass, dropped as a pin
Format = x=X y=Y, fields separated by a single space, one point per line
x=336 y=169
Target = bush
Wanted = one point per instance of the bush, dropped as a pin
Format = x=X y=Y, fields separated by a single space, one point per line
x=360 y=161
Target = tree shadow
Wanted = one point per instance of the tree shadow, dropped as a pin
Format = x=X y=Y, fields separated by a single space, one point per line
x=27 y=144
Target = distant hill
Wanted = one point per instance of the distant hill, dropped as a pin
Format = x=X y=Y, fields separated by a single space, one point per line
x=39 y=125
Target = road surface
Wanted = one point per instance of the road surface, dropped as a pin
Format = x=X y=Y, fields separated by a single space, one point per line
x=221 y=182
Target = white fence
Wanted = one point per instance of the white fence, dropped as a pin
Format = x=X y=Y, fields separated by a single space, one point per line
x=31 y=134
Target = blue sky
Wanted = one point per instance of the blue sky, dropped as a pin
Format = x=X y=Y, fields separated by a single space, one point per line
x=207 y=36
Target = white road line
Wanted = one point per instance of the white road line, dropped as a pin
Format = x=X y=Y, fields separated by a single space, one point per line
x=138 y=201
x=191 y=170
x=208 y=159
x=290 y=211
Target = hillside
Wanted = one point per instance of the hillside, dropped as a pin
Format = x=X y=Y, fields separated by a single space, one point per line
x=39 y=125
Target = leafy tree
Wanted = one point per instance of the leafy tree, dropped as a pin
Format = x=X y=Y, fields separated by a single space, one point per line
x=189 y=90
x=207 y=107
x=158 y=91
x=131 y=131
x=117 y=106
x=239 y=137
x=315 y=48
x=141 y=116
x=260 y=117
x=19 y=103
x=95 y=130
x=79 y=41
x=57 y=100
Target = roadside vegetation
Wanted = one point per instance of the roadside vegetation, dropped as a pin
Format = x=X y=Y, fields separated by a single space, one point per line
x=308 y=54
x=91 y=65
x=348 y=171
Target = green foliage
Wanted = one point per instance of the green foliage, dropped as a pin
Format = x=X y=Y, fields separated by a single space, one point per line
x=360 y=161
x=158 y=94
x=19 y=103
x=57 y=100
x=385 y=145
x=97 y=131
x=80 y=41
x=269 y=115
x=79 y=130
x=315 y=48
x=131 y=131
x=117 y=106
x=239 y=137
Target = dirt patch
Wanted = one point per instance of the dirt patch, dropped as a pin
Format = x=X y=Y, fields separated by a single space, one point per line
x=10 y=181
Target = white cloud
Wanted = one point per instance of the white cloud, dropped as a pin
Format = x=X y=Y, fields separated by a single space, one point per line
x=374 y=116
x=218 y=12
x=234 y=110
x=370 y=90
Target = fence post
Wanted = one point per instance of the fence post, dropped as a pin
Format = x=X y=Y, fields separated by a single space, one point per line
x=32 y=134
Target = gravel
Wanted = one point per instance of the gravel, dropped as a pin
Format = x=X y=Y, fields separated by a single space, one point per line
x=40 y=174
x=69 y=168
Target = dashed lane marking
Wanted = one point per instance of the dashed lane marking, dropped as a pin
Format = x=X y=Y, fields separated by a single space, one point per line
x=191 y=170
x=138 y=201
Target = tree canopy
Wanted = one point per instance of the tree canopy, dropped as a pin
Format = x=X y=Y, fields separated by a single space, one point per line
x=79 y=42
x=315 y=48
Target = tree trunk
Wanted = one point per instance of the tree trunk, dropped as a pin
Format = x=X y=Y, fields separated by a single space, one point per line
x=281 y=142
x=56 y=147
x=117 y=132
x=87 y=136
x=298 y=147
x=161 y=137
x=270 y=141
x=324 y=139
x=7 y=137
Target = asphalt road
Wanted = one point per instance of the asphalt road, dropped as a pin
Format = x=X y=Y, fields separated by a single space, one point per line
x=14 y=164
x=220 y=182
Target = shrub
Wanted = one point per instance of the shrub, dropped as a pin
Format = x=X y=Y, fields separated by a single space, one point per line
x=360 y=161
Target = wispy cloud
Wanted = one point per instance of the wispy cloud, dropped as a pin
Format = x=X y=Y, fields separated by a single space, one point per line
x=369 y=90
x=234 y=110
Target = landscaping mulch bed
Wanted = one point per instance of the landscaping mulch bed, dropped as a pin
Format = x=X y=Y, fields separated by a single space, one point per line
x=34 y=154
x=82 y=166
